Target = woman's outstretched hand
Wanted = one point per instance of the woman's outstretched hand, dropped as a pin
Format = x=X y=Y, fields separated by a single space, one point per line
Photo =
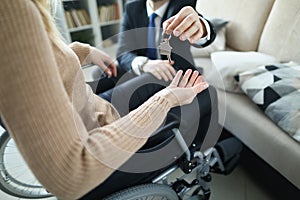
x=184 y=88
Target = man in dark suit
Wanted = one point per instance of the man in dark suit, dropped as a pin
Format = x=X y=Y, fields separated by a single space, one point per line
x=133 y=45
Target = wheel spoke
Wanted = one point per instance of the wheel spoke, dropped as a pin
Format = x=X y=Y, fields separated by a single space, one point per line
x=17 y=179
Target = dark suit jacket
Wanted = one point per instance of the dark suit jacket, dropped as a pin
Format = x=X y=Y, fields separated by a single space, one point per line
x=133 y=36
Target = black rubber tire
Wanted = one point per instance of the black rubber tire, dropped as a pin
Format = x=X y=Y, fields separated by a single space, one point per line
x=140 y=192
x=4 y=186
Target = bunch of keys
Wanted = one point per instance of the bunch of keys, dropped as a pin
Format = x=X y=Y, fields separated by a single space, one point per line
x=164 y=47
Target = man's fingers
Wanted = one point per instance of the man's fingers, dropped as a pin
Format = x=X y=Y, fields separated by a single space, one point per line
x=156 y=75
x=168 y=66
x=172 y=70
x=169 y=74
x=174 y=22
x=167 y=62
x=196 y=37
x=192 y=30
x=163 y=75
x=182 y=29
x=166 y=25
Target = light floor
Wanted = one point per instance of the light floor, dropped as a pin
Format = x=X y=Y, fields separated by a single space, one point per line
x=237 y=186
x=241 y=184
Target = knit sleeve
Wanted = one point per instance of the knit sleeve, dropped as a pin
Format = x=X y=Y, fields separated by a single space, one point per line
x=67 y=159
x=82 y=51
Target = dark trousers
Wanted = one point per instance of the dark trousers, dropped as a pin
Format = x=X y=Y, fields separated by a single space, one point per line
x=196 y=121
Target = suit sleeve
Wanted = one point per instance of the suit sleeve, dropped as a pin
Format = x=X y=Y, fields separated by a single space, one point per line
x=125 y=51
x=212 y=36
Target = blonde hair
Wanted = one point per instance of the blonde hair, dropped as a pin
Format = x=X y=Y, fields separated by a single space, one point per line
x=47 y=11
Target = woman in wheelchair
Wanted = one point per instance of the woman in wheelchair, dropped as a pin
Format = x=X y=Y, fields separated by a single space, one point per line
x=72 y=140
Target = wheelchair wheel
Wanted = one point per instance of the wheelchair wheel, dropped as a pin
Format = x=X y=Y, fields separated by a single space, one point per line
x=16 y=178
x=144 y=192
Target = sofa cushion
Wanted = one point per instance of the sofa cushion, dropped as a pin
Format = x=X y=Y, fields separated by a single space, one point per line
x=247 y=19
x=230 y=63
x=276 y=90
x=280 y=37
x=218 y=44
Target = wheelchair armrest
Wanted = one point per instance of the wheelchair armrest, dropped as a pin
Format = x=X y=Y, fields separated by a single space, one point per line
x=92 y=75
x=161 y=137
x=167 y=127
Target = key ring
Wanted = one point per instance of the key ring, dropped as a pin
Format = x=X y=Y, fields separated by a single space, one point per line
x=168 y=37
x=165 y=46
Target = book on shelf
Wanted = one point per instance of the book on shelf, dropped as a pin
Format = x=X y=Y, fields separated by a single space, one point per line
x=77 y=17
x=81 y=17
x=86 y=16
x=108 y=12
x=69 y=19
x=75 y=14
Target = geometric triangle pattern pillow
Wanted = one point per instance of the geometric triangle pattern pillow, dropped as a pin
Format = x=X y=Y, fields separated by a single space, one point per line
x=276 y=90
x=285 y=112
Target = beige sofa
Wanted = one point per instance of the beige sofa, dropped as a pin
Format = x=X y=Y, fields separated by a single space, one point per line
x=271 y=27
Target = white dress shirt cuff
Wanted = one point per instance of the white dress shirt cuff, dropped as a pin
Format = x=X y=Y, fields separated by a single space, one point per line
x=207 y=37
x=137 y=61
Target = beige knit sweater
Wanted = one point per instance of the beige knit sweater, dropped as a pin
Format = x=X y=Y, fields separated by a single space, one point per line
x=70 y=138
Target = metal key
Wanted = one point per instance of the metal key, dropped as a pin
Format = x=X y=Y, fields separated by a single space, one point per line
x=165 y=47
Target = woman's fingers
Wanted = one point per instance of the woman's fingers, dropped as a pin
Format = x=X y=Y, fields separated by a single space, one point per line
x=185 y=78
x=193 y=79
x=110 y=64
x=113 y=69
x=176 y=79
x=190 y=79
x=199 y=85
x=106 y=69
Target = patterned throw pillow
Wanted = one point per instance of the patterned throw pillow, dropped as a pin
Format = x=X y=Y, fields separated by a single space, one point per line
x=276 y=90
x=227 y=64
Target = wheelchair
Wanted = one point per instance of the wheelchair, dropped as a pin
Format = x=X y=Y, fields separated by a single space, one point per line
x=192 y=173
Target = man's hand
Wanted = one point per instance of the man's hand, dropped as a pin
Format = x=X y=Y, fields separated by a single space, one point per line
x=186 y=25
x=101 y=59
x=161 y=69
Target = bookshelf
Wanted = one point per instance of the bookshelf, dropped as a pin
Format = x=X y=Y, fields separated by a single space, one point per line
x=91 y=21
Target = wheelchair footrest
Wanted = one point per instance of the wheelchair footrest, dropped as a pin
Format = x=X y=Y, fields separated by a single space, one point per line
x=229 y=151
